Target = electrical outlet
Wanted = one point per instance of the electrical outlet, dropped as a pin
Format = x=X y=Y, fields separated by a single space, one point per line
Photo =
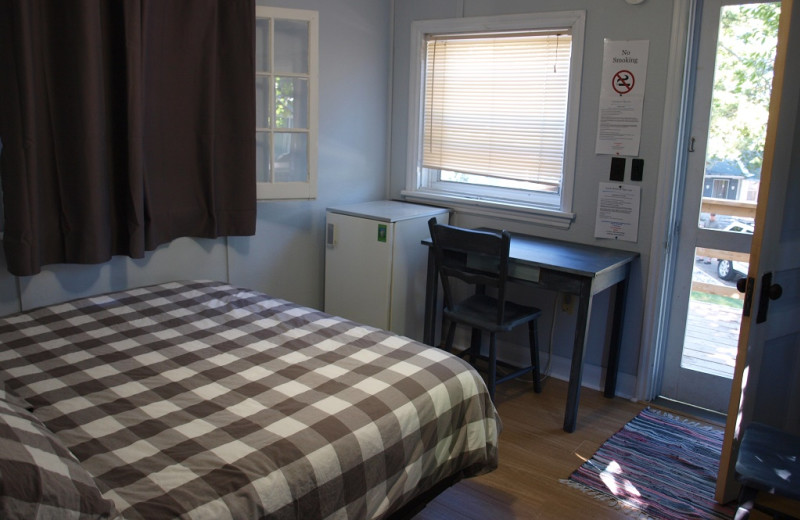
x=567 y=304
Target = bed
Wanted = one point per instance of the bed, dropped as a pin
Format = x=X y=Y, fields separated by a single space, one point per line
x=204 y=400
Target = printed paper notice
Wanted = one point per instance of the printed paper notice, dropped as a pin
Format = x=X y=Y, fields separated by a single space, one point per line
x=618 y=212
x=619 y=126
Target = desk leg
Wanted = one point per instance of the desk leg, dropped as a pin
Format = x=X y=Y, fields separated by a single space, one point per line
x=431 y=288
x=620 y=299
x=578 y=349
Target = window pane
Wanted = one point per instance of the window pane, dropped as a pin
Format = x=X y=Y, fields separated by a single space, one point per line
x=715 y=310
x=262 y=44
x=286 y=124
x=262 y=102
x=291 y=157
x=739 y=112
x=469 y=178
x=496 y=106
x=291 y=102
x=291 y=46
x=262 y=157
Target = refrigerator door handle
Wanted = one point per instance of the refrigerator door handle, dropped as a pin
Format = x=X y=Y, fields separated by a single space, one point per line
x=330 y=235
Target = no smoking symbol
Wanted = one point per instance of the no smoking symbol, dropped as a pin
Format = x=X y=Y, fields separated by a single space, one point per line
x=623 y=82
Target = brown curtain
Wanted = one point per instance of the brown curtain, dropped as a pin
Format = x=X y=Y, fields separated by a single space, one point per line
x=124 y=124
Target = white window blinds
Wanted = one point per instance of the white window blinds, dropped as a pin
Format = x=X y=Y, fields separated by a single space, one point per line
x=496 y=105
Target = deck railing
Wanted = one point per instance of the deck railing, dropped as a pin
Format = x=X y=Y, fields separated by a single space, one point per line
x=735 y=208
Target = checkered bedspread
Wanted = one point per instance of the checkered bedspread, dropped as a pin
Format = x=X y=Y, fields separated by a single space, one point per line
x=202 y=400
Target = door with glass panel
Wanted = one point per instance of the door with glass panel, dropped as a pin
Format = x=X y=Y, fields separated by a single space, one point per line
x=735 y=57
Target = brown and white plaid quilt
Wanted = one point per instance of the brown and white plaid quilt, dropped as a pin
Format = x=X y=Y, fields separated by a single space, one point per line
x=202 y=400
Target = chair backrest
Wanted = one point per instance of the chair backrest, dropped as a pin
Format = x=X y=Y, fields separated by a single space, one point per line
x=476 y=257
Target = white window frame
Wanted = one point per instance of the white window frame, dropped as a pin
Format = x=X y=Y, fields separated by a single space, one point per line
x=306 y=189
x=483 y=200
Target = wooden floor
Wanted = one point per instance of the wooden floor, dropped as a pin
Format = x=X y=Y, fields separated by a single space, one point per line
x=535 y=454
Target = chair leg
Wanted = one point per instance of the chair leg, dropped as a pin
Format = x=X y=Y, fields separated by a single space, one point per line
x=451 y=333
x=747 y=500
x=475 y=346
x=533 y=332
x=448 y=334
x=492 y=363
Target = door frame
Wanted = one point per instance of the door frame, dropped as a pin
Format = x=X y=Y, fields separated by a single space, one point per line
x=663 y=249
x=675 y=144
x=701 y=389
x=675 y=137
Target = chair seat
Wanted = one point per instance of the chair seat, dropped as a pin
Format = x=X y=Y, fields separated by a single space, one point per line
x=481 y=311
x=769 y=460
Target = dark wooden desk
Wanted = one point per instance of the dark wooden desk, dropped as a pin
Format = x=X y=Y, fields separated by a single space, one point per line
x=577 y=269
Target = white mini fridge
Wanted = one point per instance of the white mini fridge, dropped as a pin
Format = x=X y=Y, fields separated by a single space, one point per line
x=375 y=264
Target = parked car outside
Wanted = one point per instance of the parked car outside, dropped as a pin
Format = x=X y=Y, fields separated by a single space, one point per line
x=731 y=270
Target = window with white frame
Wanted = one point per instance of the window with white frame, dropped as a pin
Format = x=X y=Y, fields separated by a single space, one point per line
x=286 y=103
x=494 y=104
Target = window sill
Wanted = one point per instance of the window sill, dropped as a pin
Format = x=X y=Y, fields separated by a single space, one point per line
x=487 y=208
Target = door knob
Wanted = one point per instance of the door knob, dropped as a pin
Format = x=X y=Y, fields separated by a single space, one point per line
x=775 y=291
x=745 y=286
x=741 y=285
x=769 y=291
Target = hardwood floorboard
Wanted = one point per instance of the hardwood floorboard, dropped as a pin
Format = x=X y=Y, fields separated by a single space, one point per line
x=535 y=455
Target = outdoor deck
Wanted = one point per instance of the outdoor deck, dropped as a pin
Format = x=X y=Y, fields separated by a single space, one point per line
x=712 y=336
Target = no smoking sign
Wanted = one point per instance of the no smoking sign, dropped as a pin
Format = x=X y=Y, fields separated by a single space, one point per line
x=622 y=90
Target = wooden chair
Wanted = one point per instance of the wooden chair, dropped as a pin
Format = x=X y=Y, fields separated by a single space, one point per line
x=479 y=260
x=768 y=461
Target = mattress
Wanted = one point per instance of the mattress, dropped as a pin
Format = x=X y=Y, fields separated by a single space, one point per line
x=204 y=400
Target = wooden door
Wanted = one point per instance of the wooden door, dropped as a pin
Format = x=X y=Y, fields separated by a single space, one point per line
x=766 y=384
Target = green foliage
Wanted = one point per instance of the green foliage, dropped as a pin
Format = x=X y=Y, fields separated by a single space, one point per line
x=743 y=83
x=284 y=102
x=716 y=299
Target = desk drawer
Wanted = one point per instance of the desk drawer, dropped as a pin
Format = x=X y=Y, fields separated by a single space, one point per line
x=526 y=273
x=521 y=272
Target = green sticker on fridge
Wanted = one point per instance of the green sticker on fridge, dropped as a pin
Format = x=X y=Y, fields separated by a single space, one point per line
x=381 y=232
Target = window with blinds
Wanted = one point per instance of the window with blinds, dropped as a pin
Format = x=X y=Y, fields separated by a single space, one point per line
x=496 y=106
x=494 y=110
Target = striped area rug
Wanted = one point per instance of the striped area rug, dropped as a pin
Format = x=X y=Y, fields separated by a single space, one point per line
x=657 y=466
